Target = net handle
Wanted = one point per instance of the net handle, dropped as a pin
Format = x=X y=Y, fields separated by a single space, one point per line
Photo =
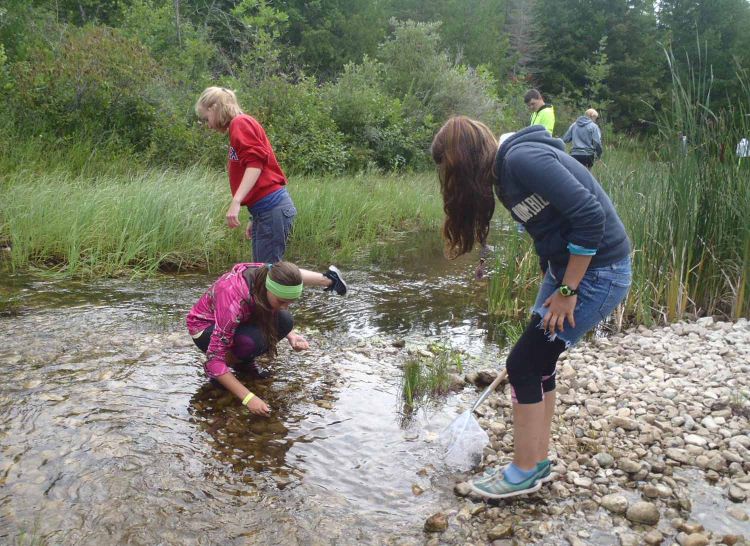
x=500 y=377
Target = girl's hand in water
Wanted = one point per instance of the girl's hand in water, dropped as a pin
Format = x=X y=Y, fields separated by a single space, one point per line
x=297 y=342
x=249 y=230
x=258 y=407
x=233 y=220
x=560 y=308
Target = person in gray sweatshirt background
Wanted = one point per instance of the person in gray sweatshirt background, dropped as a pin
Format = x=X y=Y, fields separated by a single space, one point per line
x=586 y=138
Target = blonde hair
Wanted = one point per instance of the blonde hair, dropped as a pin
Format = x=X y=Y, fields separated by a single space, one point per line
x=593 y=114
x=222 y=100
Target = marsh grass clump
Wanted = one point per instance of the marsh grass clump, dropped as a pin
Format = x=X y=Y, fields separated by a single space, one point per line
x=513 y=288
x=430 y=374
x=9 y=307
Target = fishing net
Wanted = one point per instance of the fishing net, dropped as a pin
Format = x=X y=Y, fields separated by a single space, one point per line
x=464 y=442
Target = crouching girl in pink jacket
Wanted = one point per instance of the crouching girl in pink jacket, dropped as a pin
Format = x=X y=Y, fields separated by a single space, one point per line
x=242 y=316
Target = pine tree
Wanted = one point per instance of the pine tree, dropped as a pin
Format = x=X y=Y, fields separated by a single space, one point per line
x=523 y=33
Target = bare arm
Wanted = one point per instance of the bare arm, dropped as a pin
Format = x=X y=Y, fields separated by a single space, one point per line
x=248 y=182
x=232 y=384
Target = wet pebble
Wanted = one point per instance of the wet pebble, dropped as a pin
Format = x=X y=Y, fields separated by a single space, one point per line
x=643 y=512
x=736 y=493
x=738 y=513
x=462 y=489
x=653 y=537
x=693 y=539
x=617 y=504
x=503 y=530
x=605 y=460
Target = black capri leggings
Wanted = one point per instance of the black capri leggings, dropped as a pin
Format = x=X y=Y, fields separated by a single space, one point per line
x=249 y=341
x=531 y=363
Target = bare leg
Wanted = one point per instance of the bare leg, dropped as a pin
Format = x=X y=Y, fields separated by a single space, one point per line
x=528 y=433
x=312 y=278
x=549 y=411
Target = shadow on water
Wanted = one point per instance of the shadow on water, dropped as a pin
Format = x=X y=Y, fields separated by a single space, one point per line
x=109 y=431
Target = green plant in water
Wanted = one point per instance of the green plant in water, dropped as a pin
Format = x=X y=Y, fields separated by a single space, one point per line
x=513 y=288
x=425 y=377
x=166 y=320
x=10 y=304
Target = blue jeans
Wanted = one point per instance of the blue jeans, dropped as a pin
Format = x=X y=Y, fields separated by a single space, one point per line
x=601 y=290
x=271 y=229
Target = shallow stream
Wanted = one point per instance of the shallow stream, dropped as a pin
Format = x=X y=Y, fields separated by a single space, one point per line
x=109 y=432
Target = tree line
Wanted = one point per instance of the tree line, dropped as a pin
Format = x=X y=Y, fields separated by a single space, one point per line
x=347 y=84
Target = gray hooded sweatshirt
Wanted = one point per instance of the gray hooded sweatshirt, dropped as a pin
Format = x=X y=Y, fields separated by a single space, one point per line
x=559 y=202
x=586 y=137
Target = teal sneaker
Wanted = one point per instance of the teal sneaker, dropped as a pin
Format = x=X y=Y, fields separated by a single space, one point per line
x=497 y=487
x=543 y=472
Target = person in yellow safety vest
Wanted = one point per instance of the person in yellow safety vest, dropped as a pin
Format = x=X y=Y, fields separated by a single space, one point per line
x=541 y=112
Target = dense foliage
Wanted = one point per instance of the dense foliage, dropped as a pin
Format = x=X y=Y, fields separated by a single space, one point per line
x=343 y=85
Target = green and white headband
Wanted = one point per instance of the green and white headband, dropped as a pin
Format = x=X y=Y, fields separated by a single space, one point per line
x=283 y=291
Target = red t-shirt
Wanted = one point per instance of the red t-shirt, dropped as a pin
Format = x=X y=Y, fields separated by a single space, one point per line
x=249 y=147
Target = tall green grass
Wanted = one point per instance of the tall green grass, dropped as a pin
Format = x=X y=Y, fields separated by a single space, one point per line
x=685 y=211
x=141 y=223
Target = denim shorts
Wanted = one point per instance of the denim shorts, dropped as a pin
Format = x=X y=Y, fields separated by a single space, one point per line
x=271 y=229
x=601 y=290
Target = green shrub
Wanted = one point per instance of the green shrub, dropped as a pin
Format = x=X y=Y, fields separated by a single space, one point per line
x=187 y=55
x=430 y=85
x=299 y=125
x=373 y=123
x=95 y=83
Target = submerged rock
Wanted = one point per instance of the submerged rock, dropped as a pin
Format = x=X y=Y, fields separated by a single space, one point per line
x=436 y=523
x=695 y=539
x=503 y=530
x=462 y=489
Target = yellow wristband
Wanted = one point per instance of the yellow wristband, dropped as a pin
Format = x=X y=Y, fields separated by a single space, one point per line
x=249 y=397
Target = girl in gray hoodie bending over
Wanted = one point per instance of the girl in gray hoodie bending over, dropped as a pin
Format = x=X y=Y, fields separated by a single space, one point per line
x=586 y=138
x=583 y=250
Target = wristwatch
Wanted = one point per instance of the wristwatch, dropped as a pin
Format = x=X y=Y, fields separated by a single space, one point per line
x=567 y=291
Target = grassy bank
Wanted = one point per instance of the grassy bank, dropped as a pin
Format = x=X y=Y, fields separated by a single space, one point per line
x=111 y=224
x=686 y=214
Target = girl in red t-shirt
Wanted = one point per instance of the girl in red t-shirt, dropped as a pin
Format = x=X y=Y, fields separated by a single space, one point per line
x=257 y=182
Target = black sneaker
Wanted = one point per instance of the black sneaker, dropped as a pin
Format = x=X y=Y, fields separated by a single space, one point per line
x=339 y=286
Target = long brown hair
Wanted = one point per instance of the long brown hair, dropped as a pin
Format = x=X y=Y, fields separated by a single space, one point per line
x=464 y=151
x=285 y=273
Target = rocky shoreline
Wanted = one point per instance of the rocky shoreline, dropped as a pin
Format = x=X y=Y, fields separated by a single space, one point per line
x=646 y=420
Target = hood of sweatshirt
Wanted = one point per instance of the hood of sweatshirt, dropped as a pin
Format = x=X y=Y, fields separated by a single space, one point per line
x=583 y=121
x=535 y=133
